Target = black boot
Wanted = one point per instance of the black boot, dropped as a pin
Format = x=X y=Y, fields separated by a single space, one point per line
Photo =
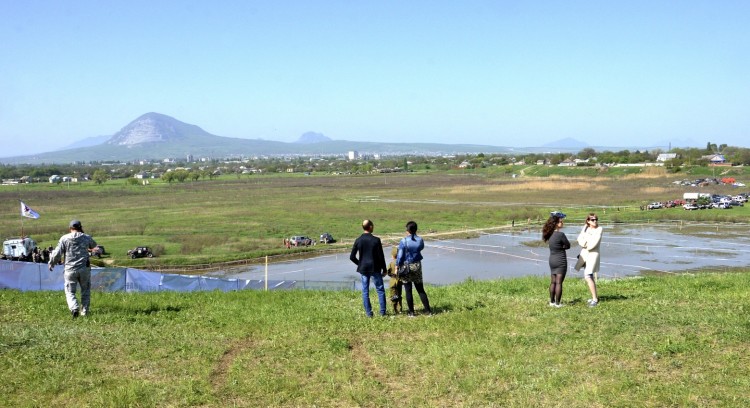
x=425 y=302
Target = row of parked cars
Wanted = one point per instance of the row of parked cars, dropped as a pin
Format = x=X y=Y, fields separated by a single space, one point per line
x=302 y=240
x=712 y=201
x=719 y=202
x=703 y=182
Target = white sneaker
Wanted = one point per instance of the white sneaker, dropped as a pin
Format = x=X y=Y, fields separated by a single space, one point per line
x=84 y=312
x=551 y=304
x=558 y=305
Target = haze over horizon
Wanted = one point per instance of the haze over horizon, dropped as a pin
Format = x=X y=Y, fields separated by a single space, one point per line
x=482 y=72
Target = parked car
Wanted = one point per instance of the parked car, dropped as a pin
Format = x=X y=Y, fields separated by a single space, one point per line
x=326 y=238
x=300 y=240
x=654 y=206
x=140 y=252
x=690 y=206
x=722 y=206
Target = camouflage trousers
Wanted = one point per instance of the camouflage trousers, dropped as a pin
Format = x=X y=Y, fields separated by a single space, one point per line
x=73 y=278
x=395 y=294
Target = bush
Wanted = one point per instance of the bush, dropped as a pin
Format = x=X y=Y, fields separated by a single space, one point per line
x=158 y=250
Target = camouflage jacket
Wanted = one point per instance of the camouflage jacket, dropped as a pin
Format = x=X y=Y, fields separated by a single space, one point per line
x=74 y=247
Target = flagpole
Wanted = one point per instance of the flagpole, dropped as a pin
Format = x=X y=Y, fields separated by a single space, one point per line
x=21 y=202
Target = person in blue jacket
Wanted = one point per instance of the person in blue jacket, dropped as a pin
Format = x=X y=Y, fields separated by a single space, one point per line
x=410 y=252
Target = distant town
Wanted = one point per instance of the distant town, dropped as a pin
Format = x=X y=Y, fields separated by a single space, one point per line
x=194 y=168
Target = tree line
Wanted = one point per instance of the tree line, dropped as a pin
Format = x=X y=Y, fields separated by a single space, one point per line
x=100 y=172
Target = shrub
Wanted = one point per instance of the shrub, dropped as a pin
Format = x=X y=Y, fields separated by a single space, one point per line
x=158 y=250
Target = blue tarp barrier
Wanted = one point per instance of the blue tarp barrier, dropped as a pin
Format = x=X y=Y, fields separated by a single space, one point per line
x=27 y=276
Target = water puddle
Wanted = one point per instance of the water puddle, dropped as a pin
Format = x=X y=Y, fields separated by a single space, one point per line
x=626 y=250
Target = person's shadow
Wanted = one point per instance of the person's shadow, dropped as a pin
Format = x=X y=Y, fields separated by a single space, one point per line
x=603 y=298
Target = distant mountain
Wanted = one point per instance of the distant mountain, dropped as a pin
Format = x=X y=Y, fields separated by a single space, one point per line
x=312 y=137
x=566 y=143
x=156 y=128
x=154 y=136
x=87 y=142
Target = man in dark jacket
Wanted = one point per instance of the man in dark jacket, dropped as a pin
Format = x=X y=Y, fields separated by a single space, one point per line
x=371 y=263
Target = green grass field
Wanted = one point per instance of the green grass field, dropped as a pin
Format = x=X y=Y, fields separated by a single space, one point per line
x=654 y=341
x=675 y=341
x=234 y=219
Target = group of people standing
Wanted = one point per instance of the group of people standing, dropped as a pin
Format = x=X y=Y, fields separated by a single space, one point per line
x=588 y=239
x=367 y=254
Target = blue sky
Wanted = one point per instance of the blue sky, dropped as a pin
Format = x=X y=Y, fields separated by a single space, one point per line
x=505 y=73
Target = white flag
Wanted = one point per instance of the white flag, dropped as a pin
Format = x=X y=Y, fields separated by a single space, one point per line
x=26 y=211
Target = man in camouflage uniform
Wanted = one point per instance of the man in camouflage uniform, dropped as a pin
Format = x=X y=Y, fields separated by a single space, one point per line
x=75 y=248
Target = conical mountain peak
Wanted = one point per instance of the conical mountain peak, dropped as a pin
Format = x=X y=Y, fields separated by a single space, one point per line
x=154 y=128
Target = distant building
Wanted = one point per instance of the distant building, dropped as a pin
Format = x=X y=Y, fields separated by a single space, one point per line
x=716 y=160
x=662 y=157
x=353 y=155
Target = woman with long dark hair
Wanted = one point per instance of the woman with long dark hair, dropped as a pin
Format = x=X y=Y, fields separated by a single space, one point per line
x=558 y=258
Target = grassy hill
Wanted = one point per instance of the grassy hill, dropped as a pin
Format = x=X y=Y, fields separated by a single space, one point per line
x=652 y=342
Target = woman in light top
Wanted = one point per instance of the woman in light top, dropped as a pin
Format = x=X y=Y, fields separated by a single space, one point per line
x=589 y=240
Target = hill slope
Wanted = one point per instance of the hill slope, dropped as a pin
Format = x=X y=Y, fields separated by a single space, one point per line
x=488 y=344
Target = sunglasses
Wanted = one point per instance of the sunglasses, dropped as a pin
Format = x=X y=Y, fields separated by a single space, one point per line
x=593 y=219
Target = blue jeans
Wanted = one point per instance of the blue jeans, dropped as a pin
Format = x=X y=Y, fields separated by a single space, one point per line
x=379 y=287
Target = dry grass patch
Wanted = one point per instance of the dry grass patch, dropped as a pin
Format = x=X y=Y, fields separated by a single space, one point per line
x=655 y=190
x=645 y=175
x=564 y=184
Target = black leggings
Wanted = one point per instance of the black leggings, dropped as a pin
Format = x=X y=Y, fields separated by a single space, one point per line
x=556 y=288
x=422 y=297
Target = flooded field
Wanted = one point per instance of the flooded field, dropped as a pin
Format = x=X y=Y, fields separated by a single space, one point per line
x=626 y=250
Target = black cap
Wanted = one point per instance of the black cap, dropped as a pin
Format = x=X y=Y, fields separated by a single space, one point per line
x=76 y=225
